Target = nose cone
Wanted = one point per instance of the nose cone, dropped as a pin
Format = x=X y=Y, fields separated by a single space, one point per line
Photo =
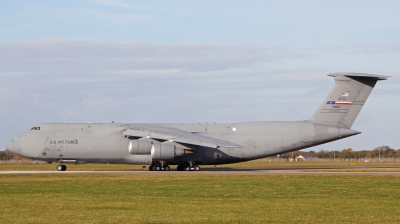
x=9 y=147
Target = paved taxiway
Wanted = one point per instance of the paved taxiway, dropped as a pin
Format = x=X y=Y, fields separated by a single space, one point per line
x=234 y=171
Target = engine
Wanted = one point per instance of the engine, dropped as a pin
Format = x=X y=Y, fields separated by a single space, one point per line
x=167 y=151
x=141 y=146
x=159 y=151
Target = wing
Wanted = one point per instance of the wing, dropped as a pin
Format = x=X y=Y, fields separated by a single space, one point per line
x=176 y=135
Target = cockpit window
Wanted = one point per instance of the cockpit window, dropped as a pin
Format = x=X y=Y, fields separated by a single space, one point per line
x=36 y=128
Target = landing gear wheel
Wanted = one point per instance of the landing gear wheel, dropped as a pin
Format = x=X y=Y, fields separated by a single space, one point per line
x=167 y=168
x=64 y=167
x=151 y=168
x=196 y=168
x=187 y=168
x=157 y=168
x=60 y=168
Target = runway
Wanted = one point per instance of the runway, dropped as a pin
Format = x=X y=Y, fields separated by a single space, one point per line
x=234 y=171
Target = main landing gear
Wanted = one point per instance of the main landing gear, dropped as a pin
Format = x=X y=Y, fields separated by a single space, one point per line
x=184 y=166
x=61 y=167
x=188 y=166
x=159 y=166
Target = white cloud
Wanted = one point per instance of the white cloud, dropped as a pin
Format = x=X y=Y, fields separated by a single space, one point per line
x=60 y=56
x=116 y=60
x=359 y=49
x=8 y=97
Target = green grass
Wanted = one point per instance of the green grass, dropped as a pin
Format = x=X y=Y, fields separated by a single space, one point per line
x=71 y=167
x=358 y=170
x=185 y=198
x=114 y=167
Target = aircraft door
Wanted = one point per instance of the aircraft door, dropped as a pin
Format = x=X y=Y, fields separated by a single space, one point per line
x=52 y=151
x=51 y=147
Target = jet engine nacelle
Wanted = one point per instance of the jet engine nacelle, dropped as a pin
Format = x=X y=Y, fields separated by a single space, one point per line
x=140 y=146
x=167 y=151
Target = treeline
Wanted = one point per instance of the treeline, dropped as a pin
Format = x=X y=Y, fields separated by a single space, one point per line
x=6 y=155
x=381 y=151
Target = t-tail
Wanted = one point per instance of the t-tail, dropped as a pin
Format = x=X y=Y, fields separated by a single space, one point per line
x=343 y=104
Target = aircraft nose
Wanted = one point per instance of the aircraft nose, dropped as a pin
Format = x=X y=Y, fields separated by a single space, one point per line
x=9 y=146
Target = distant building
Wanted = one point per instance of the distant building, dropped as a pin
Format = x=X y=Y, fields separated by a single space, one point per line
x=303 y=158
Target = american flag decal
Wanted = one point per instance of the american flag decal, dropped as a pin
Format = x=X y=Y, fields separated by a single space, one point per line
x=345 y=94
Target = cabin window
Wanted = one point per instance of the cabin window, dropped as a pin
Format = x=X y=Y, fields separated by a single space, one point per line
x=36 y=128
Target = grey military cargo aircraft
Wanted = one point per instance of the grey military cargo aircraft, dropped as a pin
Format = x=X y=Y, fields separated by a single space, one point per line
x=190 y=145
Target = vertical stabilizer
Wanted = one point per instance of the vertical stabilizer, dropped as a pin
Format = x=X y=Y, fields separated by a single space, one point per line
x=344 y=102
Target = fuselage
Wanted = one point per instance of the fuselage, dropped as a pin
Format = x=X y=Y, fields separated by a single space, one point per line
x=105 y=143
x=190 y=145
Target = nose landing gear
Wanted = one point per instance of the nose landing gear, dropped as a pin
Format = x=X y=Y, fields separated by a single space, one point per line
x=61 y=167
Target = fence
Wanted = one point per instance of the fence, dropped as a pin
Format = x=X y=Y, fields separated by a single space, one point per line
x=276 y=159
x=13 y=161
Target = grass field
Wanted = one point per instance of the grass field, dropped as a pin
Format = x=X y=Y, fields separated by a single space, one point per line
x=357 y=170
x=186 y=198
x=183 y=198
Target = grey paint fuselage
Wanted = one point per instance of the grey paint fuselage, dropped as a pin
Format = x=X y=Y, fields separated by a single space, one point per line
x=105 y=143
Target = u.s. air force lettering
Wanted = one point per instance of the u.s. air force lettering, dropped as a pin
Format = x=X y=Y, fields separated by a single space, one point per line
x=73 y=141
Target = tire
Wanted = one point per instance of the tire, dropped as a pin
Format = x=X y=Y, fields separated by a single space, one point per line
x=157 y=168
x=167 y=168
x=151 y=168
x=179 y=168
x=187 y=168
x=59 y=168
x=64 y=167
x=196 y=168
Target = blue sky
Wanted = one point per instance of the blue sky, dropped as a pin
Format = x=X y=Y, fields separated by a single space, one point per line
x=288 y=23
x=191 y=61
